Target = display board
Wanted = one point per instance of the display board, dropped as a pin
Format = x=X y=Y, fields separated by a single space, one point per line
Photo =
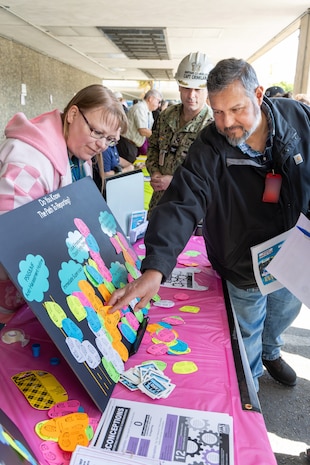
x=66 y=253
x=13 y=446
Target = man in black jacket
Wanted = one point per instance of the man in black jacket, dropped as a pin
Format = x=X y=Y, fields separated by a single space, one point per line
x=225 y=180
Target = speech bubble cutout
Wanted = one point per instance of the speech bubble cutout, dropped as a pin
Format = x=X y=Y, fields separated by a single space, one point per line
x=92 y=243
x=157 y=349
x=110 y=286
x=179 y=346
x=33 y=277
x=75 y=347
x=116 y=244
x=133 y=254
x=174 y=320
x=165 y=335
x=53 y=454
x=117 y=361
x=133 y=271
x=84 y=301
x=70 y=274
x=90 y=295
x=189 y=309
x=76 y=307
x=160 y=364
x=129 y=333
x=121 y=350
x=55 y=312
x=104 y=345
x=93 y=275
x=129 y=258
x=92 y=357
x=103 y=270
x=119 y=274
x=104 y=292
x=72 y=330
x=123 y=240
x=93 y=320
x=131 y=320
x=77 y=247
x=107 y=223
x=184 y=367
x=111 y=370
x=82 y=227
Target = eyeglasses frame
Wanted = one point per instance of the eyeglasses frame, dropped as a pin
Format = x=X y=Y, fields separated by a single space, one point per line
x=96 y=134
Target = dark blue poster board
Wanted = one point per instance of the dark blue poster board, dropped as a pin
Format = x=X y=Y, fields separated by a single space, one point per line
x=14 y=450
x=66 y=254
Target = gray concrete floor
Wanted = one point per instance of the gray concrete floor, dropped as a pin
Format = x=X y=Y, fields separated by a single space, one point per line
x=286 y=410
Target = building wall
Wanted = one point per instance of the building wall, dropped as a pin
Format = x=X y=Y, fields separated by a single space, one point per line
x=49 y=83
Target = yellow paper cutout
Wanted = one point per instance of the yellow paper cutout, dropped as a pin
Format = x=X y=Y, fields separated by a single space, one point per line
x=55 y=312
x=76 y=307
x=40 y=388
x=189 y=309
x=184 y=367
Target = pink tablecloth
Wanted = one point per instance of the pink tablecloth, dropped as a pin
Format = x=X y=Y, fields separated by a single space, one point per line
x=213 y=387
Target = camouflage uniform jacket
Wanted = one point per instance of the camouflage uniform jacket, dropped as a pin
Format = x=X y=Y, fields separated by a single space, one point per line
x=169 y=144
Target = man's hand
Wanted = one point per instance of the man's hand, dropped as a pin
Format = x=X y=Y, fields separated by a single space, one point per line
x=145 y=287
x=160 y=182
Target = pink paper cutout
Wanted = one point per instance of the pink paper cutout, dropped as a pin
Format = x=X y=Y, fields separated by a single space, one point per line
x=82 y=298
x=174 y=321
x=165 y=335
x=116 y=244
x=132 y=320
x=123 y=240
x=82 y=227
x=157 y=349
x=104 y=271
x=181 y=296
x=63 y=408
x=53 y=454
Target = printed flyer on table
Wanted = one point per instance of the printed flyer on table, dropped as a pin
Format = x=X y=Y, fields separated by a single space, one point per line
x=172 y=435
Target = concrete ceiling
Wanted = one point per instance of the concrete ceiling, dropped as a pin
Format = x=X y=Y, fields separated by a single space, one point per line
x=94 y=35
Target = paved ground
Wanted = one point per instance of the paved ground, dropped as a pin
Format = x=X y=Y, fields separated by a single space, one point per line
x=287 y=410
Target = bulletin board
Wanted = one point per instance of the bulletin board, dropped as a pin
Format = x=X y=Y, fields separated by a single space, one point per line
x=66 y=254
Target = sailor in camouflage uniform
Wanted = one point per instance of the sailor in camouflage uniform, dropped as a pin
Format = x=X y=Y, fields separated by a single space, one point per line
x=178 y=126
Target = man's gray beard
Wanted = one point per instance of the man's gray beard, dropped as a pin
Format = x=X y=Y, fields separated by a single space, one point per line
x=235 y=141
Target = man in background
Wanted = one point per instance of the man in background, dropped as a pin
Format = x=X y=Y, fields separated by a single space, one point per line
x=178 y=125
x=140 y=120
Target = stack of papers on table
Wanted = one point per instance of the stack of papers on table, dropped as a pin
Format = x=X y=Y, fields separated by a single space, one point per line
x=94 y=456
x=169 y=435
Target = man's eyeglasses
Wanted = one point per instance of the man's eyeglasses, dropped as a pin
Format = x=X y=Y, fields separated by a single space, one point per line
x=97 y=134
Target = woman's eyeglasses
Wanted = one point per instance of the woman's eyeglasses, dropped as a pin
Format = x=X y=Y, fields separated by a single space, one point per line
x=111 y=142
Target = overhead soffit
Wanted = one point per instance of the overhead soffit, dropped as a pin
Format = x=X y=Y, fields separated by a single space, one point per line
x=159 y=74
x=140 y=44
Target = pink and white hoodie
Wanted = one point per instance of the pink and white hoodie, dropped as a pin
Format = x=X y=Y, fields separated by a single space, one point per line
x=33 y=162
x=33 y=159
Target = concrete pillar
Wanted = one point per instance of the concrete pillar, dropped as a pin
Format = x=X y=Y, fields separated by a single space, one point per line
x=302 y=76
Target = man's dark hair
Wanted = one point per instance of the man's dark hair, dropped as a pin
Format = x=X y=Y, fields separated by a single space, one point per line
x=229 y=70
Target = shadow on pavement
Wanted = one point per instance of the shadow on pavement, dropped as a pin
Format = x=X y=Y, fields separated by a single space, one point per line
x=286 y=409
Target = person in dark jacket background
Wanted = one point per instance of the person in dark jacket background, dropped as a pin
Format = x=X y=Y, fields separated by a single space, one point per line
x=224 y=180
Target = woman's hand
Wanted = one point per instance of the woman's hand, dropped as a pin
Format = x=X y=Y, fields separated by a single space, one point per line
x=144 y=288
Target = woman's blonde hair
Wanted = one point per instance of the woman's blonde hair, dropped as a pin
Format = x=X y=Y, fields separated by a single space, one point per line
x=94 y=97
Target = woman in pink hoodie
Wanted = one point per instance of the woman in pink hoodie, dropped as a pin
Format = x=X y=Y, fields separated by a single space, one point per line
x=50 y=151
